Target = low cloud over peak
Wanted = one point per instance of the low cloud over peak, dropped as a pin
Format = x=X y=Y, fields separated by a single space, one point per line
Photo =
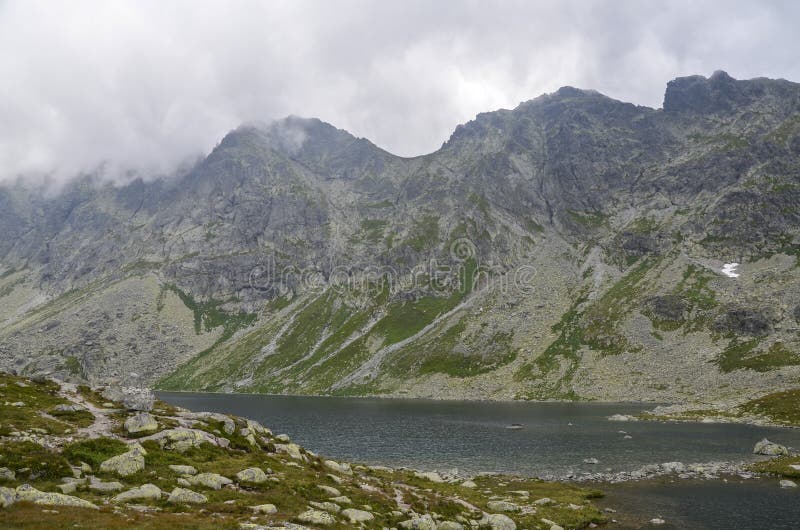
x=139 y=87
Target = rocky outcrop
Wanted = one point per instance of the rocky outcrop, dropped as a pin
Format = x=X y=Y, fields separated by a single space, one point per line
x=144 y=492
x=29 y=494
x=131 y=398
x=140 y=423
x=125 y=464
x=184 y=496
x=765 y=447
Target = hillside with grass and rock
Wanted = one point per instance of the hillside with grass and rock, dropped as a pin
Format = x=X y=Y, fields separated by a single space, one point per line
x=70 y=456
x=574 y=247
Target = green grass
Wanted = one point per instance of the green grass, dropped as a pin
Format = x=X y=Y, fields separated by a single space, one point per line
x=780 y=407
x=93 y=451
x=738 y=356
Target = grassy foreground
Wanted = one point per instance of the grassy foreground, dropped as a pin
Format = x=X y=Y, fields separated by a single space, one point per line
x=56 y=450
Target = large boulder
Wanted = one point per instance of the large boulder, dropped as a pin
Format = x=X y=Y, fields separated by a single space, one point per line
x=497 y=521
x=28 y=493
x=228 y=425
x=502 y=506
x=183 y=470
x=141 y=423
x=147 y=492
x=184 y=496
x=212 y=481
x=7 y=474
x=252 y=475
x=357 y=516
x=265 y=509
x=339 y=468
x=125 y=464
x=765 y=447
x=181 y=440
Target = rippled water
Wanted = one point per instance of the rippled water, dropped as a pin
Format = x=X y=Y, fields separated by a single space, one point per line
x=555 y=438
x=473 y=436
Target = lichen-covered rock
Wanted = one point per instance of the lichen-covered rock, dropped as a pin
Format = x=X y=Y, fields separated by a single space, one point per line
x=765 y=447
x=292 y=449
x=184 y=496
x=433 y=476
x=327 y=506
x=316 y=517
x=266 y=509
x=339 y=468
x=228 y=425
x=502 y=506
x=183 y=470
x=357 y=516
x=181 y=440
x=498 y=521
x=148 y=492
x=105 y=487
x=212 y=481
x=333 y=492
x=7 y=497
x=7 y=474
x=125 y=464
x=28 y=493
x=142 y=422
x=252 y=475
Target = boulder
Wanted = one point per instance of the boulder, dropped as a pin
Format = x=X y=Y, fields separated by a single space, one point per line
x=319 y=517
x=266 y=509
x=765 y=447
x=148 y=492
x=327 y=506
x=340 y=468
x=252 y=475
x=450 y=525
x=181 y=440
x=69 y=487
x=184 y=496
x=357 y=516
x=7 y=497
x=591 y=461
x=502 y=506
x=28 y=493
x=622 y=417
x=183 y=470
x=544 y=501
x=142 y=422
x=68 y=408
x=433 y=476
x=469 y=484
x=212 y=481
x=105 y=487
x=125 y=464
x=228 y=425
x=342 y=500
x=333 y=492
x=788 y=484
x=293 y=450
x=7 y=474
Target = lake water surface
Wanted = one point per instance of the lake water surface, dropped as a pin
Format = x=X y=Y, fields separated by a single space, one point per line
x=473 y=437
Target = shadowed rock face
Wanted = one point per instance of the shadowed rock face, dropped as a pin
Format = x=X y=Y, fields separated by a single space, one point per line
x=619 y=212
x=743 y=321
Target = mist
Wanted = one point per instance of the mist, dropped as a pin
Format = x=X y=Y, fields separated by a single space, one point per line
x=135 y=89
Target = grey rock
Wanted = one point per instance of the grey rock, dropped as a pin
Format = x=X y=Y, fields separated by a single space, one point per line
x=184 y=496
x=144 y=492
x=142 y=422
x=252 y=475
x=765 y=447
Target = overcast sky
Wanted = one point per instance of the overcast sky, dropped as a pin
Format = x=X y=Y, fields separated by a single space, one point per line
x=145 y=85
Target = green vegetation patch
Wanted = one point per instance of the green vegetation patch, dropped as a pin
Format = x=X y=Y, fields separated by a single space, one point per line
x=780 y=407
x=738 y=356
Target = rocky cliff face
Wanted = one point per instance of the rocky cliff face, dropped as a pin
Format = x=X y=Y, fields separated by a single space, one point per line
x=573 y=247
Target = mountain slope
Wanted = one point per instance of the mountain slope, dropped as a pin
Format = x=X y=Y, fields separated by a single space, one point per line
x=572 y=247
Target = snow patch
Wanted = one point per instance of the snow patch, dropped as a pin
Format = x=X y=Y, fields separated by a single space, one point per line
x=729 y=270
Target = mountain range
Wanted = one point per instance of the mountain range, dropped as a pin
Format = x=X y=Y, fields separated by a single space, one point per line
x=574 y=247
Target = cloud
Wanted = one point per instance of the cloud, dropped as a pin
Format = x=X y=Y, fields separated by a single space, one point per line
x=142 y=86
